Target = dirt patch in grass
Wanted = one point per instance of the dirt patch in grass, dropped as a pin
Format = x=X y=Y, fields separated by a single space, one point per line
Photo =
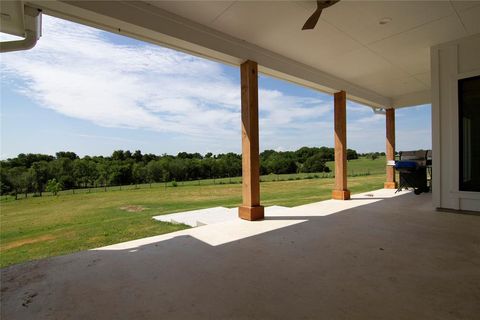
x=21 y=242
x=133 y=208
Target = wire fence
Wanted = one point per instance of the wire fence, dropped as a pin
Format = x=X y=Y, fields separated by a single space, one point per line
x=203 y=182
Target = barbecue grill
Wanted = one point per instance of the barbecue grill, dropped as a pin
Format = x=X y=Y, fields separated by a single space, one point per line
x=414 y=168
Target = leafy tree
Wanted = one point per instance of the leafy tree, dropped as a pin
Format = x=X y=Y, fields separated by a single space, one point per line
x=280 y=164
x=165 y=177
x=53 y=186
x=16 y=180
x=28 y=180
x=327 y=154
x=124 y=167
x=154 y=171
x=66 y=154
x=84 y=172
x=186 y=155
x=27 y=160
x=137 y=156
x=351 y=154
x=118 y=155
x=104 y=171
x=315 y=164
x=139 y=173
x=149 y=157
x=372 y=156
x=304 y=153
x=120 y=173
x=64 y=171
x=5 y=185
x=40 y=173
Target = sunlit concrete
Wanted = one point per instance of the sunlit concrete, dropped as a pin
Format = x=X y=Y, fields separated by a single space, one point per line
x=202 y=217
x=377 y=256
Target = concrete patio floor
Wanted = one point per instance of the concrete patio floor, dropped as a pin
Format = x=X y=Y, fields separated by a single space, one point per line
x=377 y=256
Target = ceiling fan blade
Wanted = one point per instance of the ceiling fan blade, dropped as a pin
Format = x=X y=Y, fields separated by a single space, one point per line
x=312 y=21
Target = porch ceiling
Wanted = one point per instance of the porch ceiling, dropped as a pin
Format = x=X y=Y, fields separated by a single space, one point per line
x=379 y=65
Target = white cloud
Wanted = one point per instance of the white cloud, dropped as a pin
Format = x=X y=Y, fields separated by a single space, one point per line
x=78 y=72
x=81 y=73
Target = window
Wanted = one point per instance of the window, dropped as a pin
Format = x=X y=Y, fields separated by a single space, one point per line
x=469 y=133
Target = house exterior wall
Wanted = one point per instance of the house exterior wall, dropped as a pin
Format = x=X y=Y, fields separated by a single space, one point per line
x=450 y=62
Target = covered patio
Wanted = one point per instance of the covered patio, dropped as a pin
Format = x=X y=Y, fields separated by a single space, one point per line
x=382 y=54
x=379 y=256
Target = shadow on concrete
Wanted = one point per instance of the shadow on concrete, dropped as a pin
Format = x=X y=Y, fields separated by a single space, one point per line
x=391 y=259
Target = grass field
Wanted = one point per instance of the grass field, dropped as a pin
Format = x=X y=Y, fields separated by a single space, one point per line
x=40 y=227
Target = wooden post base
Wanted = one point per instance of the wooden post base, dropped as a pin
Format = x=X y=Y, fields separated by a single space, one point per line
x=341 y=194
x=390 y=185
x=251 y=213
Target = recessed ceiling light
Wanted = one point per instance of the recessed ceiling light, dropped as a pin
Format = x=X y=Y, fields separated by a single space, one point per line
x=385 y=20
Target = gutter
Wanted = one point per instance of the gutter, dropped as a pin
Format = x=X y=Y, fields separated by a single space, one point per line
x=33 y=29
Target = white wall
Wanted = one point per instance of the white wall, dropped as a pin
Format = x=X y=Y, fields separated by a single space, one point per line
x=450 y=62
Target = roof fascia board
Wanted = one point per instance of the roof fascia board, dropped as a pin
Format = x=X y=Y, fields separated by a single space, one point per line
x=146 y=22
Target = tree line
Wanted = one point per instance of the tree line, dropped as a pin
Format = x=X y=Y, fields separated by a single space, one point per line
x=36 y=173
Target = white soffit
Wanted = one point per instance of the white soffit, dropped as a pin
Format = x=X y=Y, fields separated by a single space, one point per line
x=376 y=64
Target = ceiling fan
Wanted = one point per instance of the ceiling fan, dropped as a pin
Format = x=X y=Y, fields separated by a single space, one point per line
x=312 y=21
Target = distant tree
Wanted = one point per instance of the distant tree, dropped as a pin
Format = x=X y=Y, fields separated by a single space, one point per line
x=66 y=154
x=233 y=164
x=372 y=156
x=118 y=155
x=304 y=153
x=351 y=154
x=280 y=163
x=139 y=173
x=266 y=154
x=53 y=186
x=137 y=156
x=149 y=157
x=120 y=173
x=5 y=185
x=28 y=180
x=154 y=171
x=315 y=164
x=124 y=167
x=327 y=154
x=16 y=180
x=63 y=170
x=40 y=173
x=27 y=160
x=104 y=171
x=176 y=169
x=165 y=177
x=84 y=172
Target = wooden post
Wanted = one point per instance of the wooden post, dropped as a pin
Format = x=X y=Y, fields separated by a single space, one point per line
x=340 y=115
x=251 y=208
x=390 y=130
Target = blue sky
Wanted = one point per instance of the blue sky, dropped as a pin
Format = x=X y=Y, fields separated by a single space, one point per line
x=92 y=92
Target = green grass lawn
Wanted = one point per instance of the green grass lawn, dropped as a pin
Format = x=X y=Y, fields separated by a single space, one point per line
x=40 y=227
